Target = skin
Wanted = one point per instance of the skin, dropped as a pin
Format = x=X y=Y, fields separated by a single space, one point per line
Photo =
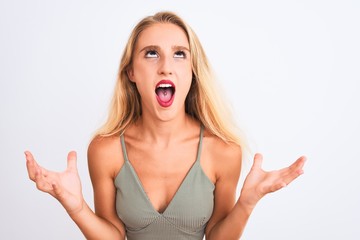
x=153 y=144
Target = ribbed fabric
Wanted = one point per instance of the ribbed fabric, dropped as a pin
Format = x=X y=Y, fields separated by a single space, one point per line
x=186 y=215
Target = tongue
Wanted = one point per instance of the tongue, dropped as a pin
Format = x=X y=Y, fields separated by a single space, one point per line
x=164 y=94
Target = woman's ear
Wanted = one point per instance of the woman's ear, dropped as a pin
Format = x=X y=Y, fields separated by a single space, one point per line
x=130 y=73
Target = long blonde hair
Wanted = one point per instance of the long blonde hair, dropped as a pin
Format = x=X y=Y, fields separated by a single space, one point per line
x=203 y=101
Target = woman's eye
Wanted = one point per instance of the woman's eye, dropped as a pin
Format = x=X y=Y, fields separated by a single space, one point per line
x=180 y=54
x=151 y=54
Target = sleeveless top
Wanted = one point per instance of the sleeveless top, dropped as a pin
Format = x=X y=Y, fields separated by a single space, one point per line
x=186 y=215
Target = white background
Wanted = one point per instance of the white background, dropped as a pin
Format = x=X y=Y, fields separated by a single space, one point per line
x=290 y=69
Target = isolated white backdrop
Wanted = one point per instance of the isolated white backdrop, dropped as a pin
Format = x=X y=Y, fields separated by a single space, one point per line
x=290 y=69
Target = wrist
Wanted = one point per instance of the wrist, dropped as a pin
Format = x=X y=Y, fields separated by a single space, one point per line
x=246 y=203
x=77 y=210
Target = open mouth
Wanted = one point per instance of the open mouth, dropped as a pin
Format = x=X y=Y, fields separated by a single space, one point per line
x=165 y=91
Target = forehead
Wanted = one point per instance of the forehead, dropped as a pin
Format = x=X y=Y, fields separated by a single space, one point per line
x=162 y=35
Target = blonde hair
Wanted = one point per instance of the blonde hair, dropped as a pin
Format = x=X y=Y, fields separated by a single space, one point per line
x=203 y=101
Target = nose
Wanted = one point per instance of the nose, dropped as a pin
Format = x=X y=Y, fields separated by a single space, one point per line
x=165 y=66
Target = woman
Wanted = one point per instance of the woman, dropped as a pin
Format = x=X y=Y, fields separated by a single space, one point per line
x=166 y=163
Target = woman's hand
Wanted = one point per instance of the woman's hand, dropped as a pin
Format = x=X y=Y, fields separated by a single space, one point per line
x=64 y=186
x=258 y=182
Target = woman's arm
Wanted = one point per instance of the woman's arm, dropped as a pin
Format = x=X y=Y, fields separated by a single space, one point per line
x=229 y=220
x=66 y=188
x=95 y=227
x=105 y=160
x=226 y=160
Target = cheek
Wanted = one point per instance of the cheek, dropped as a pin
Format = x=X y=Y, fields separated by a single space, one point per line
x=143 y=86
x=186 y=79
x=142 y=76
x=185 y=71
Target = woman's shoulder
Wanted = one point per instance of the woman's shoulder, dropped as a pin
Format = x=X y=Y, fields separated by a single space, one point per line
x=224 y=157
x=220 y=148
x=105 y=153
x=104 y=144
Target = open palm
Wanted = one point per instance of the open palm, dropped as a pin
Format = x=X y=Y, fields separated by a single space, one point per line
x=258 y=182
x=64 y=186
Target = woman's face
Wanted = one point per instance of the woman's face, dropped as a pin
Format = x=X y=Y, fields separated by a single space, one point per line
x=162 y=70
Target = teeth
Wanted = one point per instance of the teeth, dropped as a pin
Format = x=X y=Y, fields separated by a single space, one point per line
x=164 y=85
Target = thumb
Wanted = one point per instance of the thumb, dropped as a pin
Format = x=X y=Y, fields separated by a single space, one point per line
x=71 y=161
x=258 y=159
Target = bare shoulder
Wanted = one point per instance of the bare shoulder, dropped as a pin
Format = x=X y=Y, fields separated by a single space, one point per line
x=221 y=158
x=105 y=153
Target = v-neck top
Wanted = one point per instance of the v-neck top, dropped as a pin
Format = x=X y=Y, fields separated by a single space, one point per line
x=186 y=215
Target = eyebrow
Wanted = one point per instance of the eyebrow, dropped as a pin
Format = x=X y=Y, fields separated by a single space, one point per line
x=157 y=48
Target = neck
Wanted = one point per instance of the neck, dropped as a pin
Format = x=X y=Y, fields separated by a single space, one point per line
x=165 y=132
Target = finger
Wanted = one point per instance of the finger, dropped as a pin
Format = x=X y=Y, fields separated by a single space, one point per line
x=299 y=163
x=28 y=155
x=71 y=161
x=30 y=159
x=293 y=173
x=296 y=169
x=258 y=159
x=30 y=165
x=33 y=167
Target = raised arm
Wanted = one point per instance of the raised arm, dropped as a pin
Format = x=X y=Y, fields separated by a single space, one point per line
x=66 y=188
x=257 y=184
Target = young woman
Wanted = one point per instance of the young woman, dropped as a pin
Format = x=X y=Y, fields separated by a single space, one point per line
x=166 y=163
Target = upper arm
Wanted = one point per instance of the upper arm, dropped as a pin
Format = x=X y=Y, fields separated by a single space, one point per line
x=104 y=161
x=227 y=161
